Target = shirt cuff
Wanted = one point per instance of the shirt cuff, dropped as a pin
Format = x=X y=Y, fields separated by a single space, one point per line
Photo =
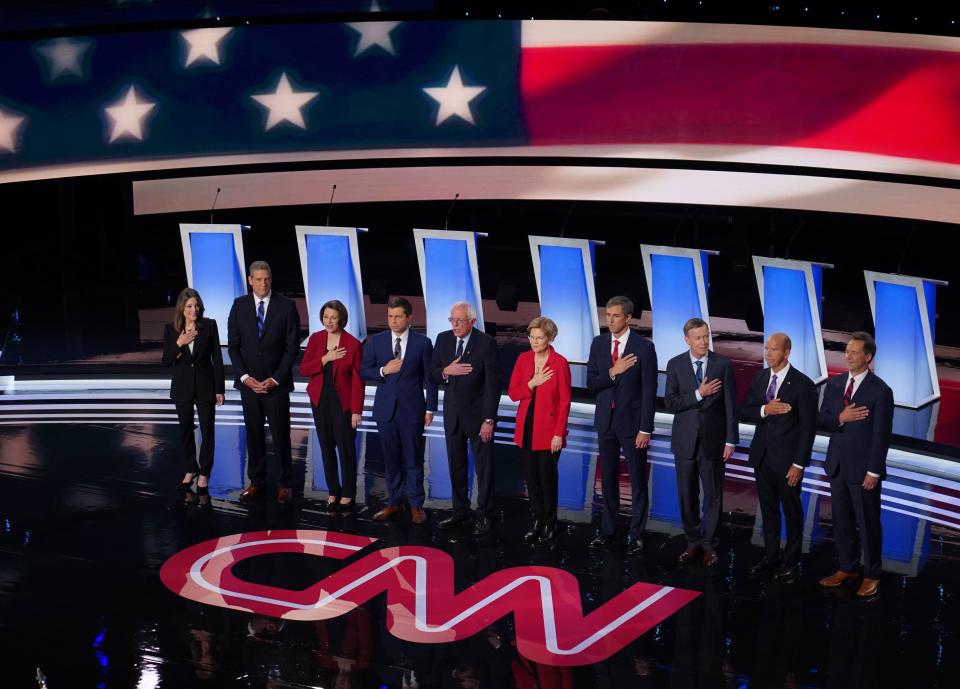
x=870 y=473
x=763 y=413
x=244 y=377
x=650 y=433
x=381 y=372
x=274 y=381
x=699 y=396
x=799 y=466
x=730 y=445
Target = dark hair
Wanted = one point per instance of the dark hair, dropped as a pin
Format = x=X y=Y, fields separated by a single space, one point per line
x=341 y=310
x=620 y=300
x=400 y=303
x=186 y=294
x=693 y=324
x=869 y=344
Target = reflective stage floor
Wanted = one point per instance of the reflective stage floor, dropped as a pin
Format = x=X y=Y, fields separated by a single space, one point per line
x=89 y=514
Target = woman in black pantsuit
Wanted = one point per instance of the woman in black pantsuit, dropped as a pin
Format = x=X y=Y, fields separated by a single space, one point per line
x=191 y=346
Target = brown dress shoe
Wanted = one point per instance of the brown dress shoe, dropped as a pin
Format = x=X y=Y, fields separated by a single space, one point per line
x=710 y=558
x=284 y=494
x=387 y=513
x=689 y=554
x=837 y=578
x=868 y=588
x=250 y=493
x=417 y=515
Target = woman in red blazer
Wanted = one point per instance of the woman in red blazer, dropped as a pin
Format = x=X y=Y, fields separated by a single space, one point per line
x=541 y=384
x=332 y=363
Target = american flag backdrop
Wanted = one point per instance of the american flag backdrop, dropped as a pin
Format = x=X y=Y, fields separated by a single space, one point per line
x=779 y=95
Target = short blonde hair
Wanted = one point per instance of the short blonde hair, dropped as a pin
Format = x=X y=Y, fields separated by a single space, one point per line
x=548 y=327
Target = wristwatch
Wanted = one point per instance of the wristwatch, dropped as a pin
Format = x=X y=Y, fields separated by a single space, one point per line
x=490 y=421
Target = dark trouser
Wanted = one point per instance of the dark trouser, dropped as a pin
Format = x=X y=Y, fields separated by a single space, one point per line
x=691 y=473
x=610 y=447
x=402 y=444
x=274 y=407
x=774 y=492
x=205 y=414
x=336 y=436
x=540 y=472
x=459 y=465
x=856 y=509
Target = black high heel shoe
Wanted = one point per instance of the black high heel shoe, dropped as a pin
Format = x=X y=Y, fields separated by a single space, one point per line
x=346 y=508
x=534 y=533
x=203 y=495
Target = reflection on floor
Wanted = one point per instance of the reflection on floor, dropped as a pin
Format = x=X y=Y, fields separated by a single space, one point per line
x=89 y=513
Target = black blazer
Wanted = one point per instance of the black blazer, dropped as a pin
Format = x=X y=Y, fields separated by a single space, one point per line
x=469 y=399
x=713 y=420
x=271 y=356
x=860 y=446
x=197 y=376
x=631 y=399
x=783 y=439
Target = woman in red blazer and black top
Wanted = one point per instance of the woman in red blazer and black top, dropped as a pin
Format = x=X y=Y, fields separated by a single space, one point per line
x=541 y=384
x=332 y=363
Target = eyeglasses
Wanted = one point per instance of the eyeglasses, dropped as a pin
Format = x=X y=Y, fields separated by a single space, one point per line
x=536 y=338
x=459 y=321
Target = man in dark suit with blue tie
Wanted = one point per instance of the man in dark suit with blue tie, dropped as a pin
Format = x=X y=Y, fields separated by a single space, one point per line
x=622 y=373
x=782 y=404
x=398 y=360
x=466 y=364
x=263 y=337
x=701 y=393
x=857 y=412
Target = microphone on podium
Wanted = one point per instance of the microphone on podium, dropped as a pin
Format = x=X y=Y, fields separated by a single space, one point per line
x=215 y=197
x=330 y=203
x=446 y=223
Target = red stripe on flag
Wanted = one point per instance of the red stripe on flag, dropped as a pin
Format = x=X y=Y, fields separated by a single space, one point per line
x=888 y=101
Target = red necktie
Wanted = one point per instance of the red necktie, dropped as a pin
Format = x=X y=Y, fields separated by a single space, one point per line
x=849 y=393
x=613 y=360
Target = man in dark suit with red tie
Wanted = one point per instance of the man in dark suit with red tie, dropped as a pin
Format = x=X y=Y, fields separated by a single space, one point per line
x=782 y=404
x=857 y=412
x=467 y=366
x=622 y=373
x=263 y=335
x=701 y=394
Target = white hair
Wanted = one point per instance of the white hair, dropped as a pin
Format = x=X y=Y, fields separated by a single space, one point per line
x=471 y=313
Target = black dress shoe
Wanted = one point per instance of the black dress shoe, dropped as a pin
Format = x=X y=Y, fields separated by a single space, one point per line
x=481 y=526
x=601 y=542
x=251 y=492
x=787 y=572
x=452 y=522
x=763 y=566
x=534 y=533
x=635 y=548
x=549 y=534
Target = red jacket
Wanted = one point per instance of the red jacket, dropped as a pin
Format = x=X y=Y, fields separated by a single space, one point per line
x=346 y=371
x=553 y=399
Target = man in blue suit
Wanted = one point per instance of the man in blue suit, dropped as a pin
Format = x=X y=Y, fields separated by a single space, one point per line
x=622 y=373
x=399 y=361
x=857 y=412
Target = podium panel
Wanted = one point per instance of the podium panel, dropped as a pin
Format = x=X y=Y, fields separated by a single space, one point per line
x=448 y=274
x=330 y=264
x=213 y=255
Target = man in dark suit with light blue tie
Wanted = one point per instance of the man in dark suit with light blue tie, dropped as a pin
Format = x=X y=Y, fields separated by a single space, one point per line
x=398 y=360
x=622 y=373
x=857 y=412
x=782 y=403
x=263 y=336
x=701 y=393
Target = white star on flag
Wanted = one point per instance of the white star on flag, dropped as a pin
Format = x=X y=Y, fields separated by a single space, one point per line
x=454 y=98
x=128 y=116
x=9 y=124
x=204 y=44
x=285 y=104
x=374 y=34
x=64 y=55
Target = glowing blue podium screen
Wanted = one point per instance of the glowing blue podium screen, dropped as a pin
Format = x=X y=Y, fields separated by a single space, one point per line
x=902 y=358
x=216 y=275
x=565 y=299
x=330 y=275
x=675 y=299
x=787 y=309
x=448 y=276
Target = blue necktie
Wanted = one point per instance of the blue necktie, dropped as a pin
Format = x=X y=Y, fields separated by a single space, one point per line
x=459 y=348
x=772 y=390
x=260 y=319
x=699 y=372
